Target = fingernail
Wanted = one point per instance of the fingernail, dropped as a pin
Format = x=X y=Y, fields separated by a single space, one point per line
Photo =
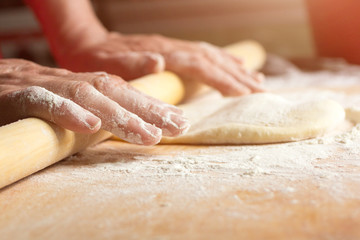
x=155 y=63
x=92 y=122
x=183 y=124
x=155 y=133
x=237 y=91
x=176 y=110
x=260 y=77
x=177 y=125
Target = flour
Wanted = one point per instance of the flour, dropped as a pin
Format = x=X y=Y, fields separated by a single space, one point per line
x=330 y=163
x=132 y=101
x=48 y=102
x=209 y=171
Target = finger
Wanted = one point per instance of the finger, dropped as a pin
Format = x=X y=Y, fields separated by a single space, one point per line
x=38 y=102
x=252 y=80
x=246 y=79
x=131 y=65
x=116 y=119
x=193 y=66
x=164 y=116
x=237 y=60
x=228 y=64
x=259 y=77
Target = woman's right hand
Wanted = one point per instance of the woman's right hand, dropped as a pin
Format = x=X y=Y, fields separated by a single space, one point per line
x=85 y=102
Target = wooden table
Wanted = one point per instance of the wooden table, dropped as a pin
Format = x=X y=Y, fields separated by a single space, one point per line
x=117 y=190
x=85 y=197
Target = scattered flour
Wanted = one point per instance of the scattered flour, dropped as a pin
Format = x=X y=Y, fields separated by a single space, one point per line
x=330 y=163
x=52 y=104
x=120 y=190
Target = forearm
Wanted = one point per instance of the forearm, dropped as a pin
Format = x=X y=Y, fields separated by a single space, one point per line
x=68 y=23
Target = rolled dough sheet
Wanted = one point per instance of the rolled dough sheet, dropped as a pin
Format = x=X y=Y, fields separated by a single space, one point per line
x=257 y=119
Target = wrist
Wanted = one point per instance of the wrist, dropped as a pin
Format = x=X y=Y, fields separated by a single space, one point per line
x=68 y=25
x=77 y=38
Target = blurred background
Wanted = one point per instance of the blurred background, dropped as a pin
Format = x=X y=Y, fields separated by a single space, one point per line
x=281 y=26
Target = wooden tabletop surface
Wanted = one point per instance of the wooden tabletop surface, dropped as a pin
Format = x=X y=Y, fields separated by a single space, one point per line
x=85 y=197
x=115 y=190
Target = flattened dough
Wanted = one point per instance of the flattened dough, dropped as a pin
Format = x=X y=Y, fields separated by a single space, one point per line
x=257 y=119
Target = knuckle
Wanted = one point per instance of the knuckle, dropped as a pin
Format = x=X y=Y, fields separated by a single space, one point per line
x=27 y=96
x=207 y=47
x=27 y=66
x=105 y=82
x=31 y=91
x=10 y=75
x=55 y=71
x=18 y=67
x=184 y=57
x=80 y=87
x=101 y=80
x=152 y=57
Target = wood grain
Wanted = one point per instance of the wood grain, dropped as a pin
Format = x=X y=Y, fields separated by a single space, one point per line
x=101 y=194
x=117 y=190
x=65 y=202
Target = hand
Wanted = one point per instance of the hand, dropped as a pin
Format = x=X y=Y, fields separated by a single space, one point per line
x=136 y=55
x=84 y=102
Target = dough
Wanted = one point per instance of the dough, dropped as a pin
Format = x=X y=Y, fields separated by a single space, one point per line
x=257 y=119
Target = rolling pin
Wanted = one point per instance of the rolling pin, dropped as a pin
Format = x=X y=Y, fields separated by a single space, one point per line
x=32 y=144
